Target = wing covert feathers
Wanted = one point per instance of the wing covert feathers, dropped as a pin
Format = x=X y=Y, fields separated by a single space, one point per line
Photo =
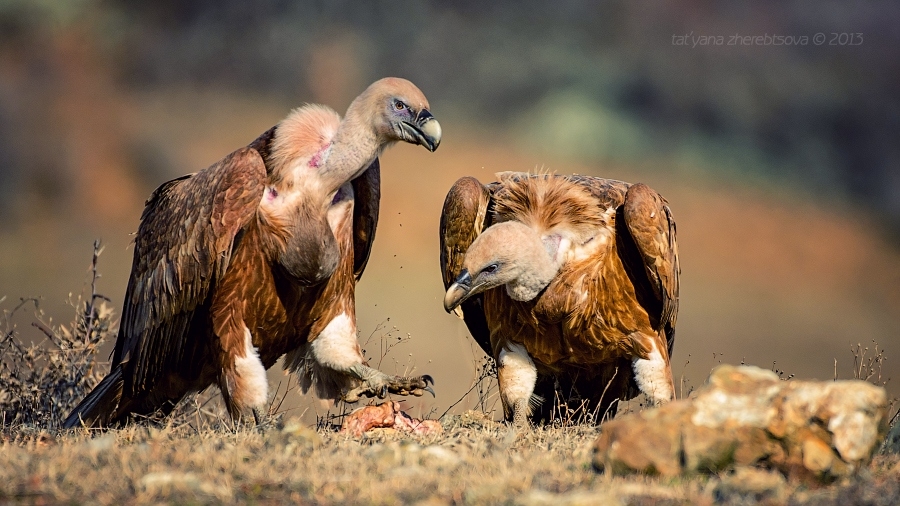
x=464 y=216
x=367 y=198
x=652 y=227
x=183 y=245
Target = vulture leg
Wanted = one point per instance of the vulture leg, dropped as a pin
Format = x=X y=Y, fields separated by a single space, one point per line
x=245 y=383
x=336 y=352
x=652 y=372
x=339 y=365
x=517 y=377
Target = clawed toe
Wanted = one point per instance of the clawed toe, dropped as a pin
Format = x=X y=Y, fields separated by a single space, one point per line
x=380 y=387
x=428 y=381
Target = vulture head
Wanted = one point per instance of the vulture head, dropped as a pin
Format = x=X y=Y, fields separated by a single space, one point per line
x=399 y=112
x=511 y=254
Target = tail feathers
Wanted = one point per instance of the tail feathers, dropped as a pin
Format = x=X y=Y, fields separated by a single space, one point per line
x=100 y=406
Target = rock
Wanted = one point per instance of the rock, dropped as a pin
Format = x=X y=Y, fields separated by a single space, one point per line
x=746 y=416
x=387 y=415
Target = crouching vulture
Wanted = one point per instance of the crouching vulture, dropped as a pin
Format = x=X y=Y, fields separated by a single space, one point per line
x=256 y=257
x=569 y=282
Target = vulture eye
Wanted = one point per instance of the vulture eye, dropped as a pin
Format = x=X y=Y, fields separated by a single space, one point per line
x=399 y=105
x=490 y=269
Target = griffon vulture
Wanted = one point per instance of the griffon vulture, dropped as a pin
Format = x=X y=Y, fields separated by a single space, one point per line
x=569 y=282
x=256 y=257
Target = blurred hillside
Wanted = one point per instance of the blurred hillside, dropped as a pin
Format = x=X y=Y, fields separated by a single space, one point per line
x=781 y=163
x=822 y=117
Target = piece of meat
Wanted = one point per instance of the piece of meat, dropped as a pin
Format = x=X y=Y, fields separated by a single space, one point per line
x=387 y=415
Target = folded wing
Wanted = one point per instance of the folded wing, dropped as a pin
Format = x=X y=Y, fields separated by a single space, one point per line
x=188 y=231
x=464 y=216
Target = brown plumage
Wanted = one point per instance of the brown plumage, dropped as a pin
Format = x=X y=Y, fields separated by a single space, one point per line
x=569 y=282
x=256 y=257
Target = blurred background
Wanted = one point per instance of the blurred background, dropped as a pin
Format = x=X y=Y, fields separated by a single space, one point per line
x=781 y=161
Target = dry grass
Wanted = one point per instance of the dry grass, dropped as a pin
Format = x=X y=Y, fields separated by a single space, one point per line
x=197 y=455
x=476 y=461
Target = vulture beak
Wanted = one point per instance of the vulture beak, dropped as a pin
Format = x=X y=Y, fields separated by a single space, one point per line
x=425 y=130
x=459 y=291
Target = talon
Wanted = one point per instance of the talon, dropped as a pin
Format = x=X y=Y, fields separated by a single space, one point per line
x=428 y=379
x=429 y=390
x=384 y=392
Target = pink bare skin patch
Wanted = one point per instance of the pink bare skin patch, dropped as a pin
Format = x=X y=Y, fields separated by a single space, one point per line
x=318 y=158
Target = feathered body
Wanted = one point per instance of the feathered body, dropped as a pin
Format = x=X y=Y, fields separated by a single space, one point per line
x=594 y=295
x=256 y=257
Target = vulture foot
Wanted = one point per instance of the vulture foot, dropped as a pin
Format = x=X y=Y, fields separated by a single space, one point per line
x=520 y=413
x=378 y=384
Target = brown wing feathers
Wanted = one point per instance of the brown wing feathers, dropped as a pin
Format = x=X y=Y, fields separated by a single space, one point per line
x=464 y=216
x=652 y=229
x=183 y=245
x=367 y=190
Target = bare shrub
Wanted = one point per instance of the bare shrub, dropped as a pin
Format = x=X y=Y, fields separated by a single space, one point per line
x=40 y=382
x=868 y=366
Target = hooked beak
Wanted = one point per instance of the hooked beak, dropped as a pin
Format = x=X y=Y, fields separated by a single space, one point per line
x=425 y=131
x=459 y=291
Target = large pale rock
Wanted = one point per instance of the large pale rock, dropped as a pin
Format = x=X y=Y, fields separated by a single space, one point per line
x=746 y=416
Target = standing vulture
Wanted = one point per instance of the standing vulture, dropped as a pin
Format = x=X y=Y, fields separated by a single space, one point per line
x=256 y=257
x=569 y=282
